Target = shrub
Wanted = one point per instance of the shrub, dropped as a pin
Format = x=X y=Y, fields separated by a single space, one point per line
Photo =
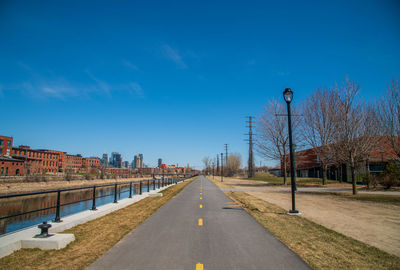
x=391 y=176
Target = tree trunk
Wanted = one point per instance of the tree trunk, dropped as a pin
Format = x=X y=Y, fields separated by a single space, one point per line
x=353 y=179
x=367 y=174
x=284 y=171
x=324 y=168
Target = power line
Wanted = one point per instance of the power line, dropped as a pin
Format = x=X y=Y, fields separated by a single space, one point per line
x=217 y=164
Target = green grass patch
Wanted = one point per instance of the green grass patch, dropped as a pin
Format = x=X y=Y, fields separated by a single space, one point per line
x=320 y=247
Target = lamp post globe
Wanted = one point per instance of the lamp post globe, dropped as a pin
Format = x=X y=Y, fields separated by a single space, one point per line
x=288 y=95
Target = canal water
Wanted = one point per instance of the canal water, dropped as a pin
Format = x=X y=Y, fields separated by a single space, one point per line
x=77 y=201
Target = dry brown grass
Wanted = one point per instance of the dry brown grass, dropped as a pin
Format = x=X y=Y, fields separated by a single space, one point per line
x=218 y=182
x=320 y=247
x=93 y=238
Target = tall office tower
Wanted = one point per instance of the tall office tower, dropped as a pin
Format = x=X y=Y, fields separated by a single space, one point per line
x=116 y=160
x=126 y=164
x=159 y=162
x=141 y=160
x=104 y=160
x=138 y=162
x=134 y=162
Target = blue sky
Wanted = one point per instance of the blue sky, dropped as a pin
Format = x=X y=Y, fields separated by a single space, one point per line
x=175 y=79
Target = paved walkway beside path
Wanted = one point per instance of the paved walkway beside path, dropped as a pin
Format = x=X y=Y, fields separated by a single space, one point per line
x=200 y=228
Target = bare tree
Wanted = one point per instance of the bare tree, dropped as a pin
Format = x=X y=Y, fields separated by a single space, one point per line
x=389 y=115
x=272 y=134
x=318 y=125
x=354 y=131
x=207 y=164
x=233 y=164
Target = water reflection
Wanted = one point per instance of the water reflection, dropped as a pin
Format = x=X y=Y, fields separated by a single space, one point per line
x=18 y=205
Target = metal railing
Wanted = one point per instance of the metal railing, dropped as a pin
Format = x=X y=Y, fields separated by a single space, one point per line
x=159 y=183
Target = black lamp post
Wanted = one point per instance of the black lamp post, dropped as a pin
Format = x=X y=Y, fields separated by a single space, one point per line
x=288 y=96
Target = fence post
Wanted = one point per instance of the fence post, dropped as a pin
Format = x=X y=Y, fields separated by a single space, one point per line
x=148 y=185
x=58 y=219
x=115 y=194
x=94 y=198
x=154 y=184
x=130 y=190
x=140 y=187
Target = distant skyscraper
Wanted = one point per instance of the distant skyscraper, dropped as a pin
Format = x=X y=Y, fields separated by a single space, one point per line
x=141 y=160
x=126 y=164
x=104 y=160
x=138 y=162
x=116 y=160
x=159 y=162
x=134 y=162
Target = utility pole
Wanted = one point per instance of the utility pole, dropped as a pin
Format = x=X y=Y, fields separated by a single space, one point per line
x=222 y=167
x=250 y=140
x=217 y=164
x=226 y=153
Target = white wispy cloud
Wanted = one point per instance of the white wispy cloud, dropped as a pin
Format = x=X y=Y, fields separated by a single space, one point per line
x=100 y=83
x=173 y=55
x=24 y=66
x=49 y=86
x=137 y=89
x=129 y=64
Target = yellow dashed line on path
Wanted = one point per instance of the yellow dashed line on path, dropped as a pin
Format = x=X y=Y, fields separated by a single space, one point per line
x=201 y=206
x=200 y=222
x=199 y=266
x=201 y=198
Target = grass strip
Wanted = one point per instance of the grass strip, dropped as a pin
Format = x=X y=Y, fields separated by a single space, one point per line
x=320 y=247
x=300 y=181
x=93 y=238
x=378 y=198
x=217 y=181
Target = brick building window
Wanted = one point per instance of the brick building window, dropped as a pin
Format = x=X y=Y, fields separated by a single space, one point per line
x=17 y=172
x=6 y=171
x=1 y=142
x=2 y=171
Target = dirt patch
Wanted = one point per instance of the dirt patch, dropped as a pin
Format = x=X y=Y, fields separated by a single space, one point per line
x=376 y=224
x=320 y=247
x=256 y=183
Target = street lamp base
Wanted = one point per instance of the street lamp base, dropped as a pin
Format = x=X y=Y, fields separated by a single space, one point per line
x=293 y=213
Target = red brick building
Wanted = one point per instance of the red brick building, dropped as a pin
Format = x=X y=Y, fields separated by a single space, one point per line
x=5 y=145
x=118 y=170
x=73 y=163
x=61 y=159
x=308 y=163
x=10 y=166
x=92 y=162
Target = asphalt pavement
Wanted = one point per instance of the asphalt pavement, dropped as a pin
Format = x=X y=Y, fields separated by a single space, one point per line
x=202 y=229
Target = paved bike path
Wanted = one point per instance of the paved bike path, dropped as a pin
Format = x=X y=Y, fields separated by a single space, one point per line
x=174 y=237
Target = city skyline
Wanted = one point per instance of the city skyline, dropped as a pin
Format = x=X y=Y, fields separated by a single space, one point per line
x=190 y=72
